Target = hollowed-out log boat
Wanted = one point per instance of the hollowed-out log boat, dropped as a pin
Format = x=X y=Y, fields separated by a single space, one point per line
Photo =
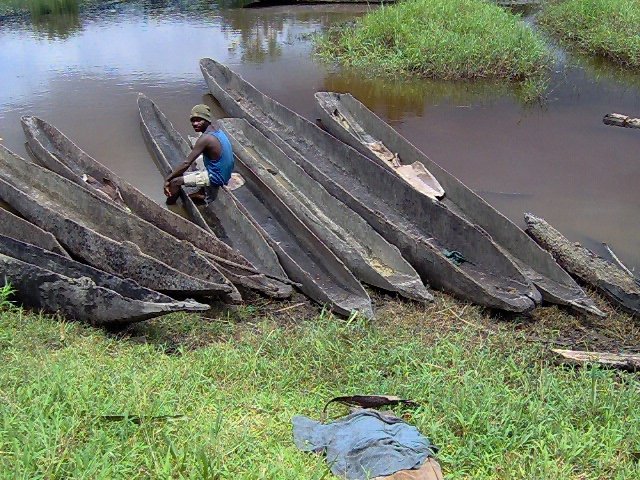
x=305 y=259
x=231 y=224
x=47 y=281
x=105 y=236
x=15 y=227
x=538 y=266
x=52 y=149
x=411 y=171
x=447 y=250
x=618 y=285
x=369 y=256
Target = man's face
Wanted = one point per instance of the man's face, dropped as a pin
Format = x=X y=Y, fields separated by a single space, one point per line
x=199 y=124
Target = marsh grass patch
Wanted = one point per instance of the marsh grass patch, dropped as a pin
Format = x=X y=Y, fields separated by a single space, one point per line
x=605 y=28
x=488 y=389
x=446 y=39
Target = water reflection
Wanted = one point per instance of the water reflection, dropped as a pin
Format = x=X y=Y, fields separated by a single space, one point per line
x=395 y=99
x=55 y=18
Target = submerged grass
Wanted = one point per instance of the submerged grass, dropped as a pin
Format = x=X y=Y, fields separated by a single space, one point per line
x=448 y=39
x=607 y=28
x=491 y=399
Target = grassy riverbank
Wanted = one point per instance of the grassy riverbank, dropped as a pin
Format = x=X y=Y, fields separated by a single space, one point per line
x=607 y=28
x=492 y=398
x=449 y=39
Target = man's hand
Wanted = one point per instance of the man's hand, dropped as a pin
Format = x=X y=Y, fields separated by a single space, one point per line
x=172 y=190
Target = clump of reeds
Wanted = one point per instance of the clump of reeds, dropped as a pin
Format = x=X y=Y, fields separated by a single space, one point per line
x=449 y=39
x=607 y=28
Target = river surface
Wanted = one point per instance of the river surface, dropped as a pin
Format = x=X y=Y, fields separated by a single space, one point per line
x=82 y=71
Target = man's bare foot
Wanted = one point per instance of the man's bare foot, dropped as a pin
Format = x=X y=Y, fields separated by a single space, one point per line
x=198 y=197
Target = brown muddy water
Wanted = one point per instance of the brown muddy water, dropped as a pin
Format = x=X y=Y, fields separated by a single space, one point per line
x=81 y=72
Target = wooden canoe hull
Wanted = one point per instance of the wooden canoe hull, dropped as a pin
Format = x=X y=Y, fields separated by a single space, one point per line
x=55 y=151
x=371 y=258
x=169 y=149
x=104 y=235
x=614 y=283
x=305 y=258
x=538 y=266
x=427 y=234
x=15 y=227
x=47 y=281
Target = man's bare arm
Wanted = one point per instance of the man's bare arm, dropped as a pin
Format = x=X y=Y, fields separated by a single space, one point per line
x=196 y=151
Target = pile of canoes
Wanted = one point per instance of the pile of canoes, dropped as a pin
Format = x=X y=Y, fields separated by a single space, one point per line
x=321 y=212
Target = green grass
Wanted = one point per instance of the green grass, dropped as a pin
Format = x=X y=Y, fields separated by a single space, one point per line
x=491 y=398
x=448 y=39
x=607 y=28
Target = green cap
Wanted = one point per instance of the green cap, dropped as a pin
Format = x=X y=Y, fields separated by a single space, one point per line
x=201 y=111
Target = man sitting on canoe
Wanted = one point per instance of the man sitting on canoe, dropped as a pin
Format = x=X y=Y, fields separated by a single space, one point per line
x=215 y=148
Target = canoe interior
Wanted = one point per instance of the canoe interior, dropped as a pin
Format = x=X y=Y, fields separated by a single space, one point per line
x=411 y=172
x=372 y=259
x=305 y=258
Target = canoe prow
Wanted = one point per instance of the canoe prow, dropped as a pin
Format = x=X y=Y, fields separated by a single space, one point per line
x=48 y=281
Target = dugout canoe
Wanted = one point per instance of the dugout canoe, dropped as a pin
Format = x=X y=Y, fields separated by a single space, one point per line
x=15 y=227
x=258 y=211
x=47 y=281
x=447 y=251
x=369 y=256
x=619 y=286
x=105 y=236
x=411 y=171
x=538 y=266
x=230 y=223
x=53 y=150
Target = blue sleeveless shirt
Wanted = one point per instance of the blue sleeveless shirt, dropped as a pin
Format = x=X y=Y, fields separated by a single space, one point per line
x=220 y=170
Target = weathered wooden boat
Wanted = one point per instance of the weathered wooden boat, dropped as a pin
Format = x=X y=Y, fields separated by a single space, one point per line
x=415 y=174
x=619 y=286
x=52 y=149
x=445 y=249
x=47 y=281
x=105 y=236
x=231 y=224
x=369 y=256
x=538 y=266
x=13 y=226
x=256 y=208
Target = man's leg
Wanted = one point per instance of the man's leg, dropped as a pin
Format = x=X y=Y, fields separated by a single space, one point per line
x=211 y=193
x=196 y=179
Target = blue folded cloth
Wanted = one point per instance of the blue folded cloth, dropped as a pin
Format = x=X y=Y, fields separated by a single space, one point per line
x=364 y=444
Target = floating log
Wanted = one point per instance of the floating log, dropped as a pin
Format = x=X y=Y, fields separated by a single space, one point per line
x=619 y=120
x=616 y=284
x=625 y=361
